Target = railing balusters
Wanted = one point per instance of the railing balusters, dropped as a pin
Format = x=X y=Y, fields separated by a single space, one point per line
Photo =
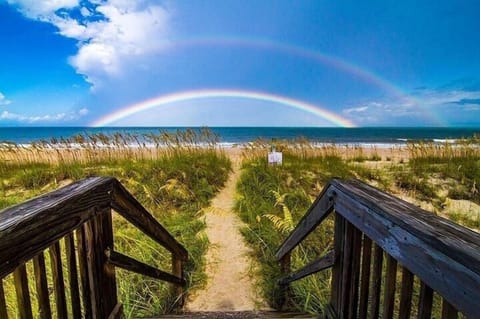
x=376 y=280
x=84 y=207
x=406 y=294
x=23 y=295
x=365 y=279
x=83 y=267
x=41 y=284
x=390 y=282
x=3 y=303
x=355 y=276
x=425 y=302
x=59 y=284
x=73 y=276
x=448 y=311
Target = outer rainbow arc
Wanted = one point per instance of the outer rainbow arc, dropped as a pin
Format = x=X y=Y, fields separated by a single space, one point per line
x=327 y=59
x=217 y=93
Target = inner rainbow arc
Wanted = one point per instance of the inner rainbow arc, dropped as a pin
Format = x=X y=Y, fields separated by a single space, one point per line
x=163 y=100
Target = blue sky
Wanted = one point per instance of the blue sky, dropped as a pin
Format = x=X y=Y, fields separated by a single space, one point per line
x=373 y=63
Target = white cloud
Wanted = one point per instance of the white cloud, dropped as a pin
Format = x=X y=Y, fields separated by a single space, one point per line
x=3 y=100
x=47 y=118
x=359 y=109
x=42 y=9
x=112 y=35
x=425 y=106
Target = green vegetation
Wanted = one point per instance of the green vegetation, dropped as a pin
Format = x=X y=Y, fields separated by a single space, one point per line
x=174 y=185
x=272 y=199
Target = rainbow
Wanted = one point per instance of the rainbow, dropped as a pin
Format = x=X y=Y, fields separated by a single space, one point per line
x=163 y=100
x=318 y=57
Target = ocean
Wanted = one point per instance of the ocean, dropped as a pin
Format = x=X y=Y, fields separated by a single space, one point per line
x=236 y=135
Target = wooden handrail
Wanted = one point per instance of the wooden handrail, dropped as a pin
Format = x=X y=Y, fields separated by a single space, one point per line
x=31 y=227
x=84 y=207
x=443 y=255
x=318 y=211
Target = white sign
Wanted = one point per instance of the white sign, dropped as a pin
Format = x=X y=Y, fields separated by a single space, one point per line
x=275 y=158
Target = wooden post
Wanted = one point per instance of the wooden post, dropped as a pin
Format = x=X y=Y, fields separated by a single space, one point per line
x=23 y=295
x=84 y=276
x=285 y=264
x=59 y=284
x=41 y=284
x=406 y=294
x=390 y=283
x=376 y=280
x=73 y=276
x=177 y=270
x=346 y=270
x=365 y=280
x=338 y=267
x=101 y=275
x=355 y=276
x=425 y=302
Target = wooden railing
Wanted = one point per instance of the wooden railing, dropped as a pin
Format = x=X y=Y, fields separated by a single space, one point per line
x=436 y=256
x=81 y=215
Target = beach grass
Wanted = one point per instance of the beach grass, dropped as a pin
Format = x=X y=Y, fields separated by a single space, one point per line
x=174 y=181
x=272 y=199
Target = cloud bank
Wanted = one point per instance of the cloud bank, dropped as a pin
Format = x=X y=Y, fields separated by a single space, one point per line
x=427 y=106
x=47 y=118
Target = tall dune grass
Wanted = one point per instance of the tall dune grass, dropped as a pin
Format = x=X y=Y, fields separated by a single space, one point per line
x=174 y=180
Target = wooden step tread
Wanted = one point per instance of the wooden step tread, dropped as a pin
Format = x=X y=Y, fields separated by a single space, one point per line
x=238 y=315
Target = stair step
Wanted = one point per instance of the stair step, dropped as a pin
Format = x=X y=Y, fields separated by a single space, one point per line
x=238 y=315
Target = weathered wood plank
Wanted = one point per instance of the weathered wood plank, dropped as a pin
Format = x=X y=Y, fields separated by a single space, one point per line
x=84 y=276
x=425 y=302
x=317 y=212
x=103 y=237
x=3 y=303
x=448 y=311
x=365 y=278
x=94 y=279
x=283 y=293
x=128 y=263
x=355 y=277
x=406 y=294
x=347 y=270
x=453 y=240
x=390 y=283
x=41 y=284
x=376 y=280
x=33 y=226
x=177 y=271
x=337 y=269
x=393 y=225
x=58 y=283
x=127 y=206
x=23 y=295
x=323 y=263
x=73 y=276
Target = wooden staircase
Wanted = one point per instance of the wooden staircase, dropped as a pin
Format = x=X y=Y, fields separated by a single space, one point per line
x=376 y=236
x=238 y=315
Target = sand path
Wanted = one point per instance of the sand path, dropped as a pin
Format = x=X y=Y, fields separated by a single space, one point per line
x=230 y=286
